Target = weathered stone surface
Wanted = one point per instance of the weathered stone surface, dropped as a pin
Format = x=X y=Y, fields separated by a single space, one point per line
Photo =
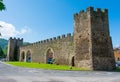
x=63 y=50
x=93 y=45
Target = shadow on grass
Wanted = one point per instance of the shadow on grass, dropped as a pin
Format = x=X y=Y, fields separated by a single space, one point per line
x=117 y=69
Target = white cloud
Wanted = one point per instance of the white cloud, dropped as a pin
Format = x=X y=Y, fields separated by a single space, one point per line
x=9 y=30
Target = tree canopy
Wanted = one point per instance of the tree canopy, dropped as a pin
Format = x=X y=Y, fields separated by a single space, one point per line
x=5 y=51
x=2 y=6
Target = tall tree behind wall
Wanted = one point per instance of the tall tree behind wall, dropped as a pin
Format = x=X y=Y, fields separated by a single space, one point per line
x=5 y=51
x=2 y=7
x=1 y=53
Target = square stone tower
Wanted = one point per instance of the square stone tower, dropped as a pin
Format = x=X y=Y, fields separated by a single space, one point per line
x=93 y=45
x=13 y=49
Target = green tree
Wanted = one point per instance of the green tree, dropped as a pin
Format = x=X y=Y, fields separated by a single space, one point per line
x=5 y=50
x=1 y=52
x=2 y=6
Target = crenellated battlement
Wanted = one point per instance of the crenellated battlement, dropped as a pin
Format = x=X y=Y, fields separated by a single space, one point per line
x=67 y=36
x=90 y=10
x=16 y=39
x=57 y=38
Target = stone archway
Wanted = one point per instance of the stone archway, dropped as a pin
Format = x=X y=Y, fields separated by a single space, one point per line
x=23 y=56
x=28 y=56
x=49 y=56
x=73 y=61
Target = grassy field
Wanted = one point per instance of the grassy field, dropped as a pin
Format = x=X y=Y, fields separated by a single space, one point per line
x=44 y=66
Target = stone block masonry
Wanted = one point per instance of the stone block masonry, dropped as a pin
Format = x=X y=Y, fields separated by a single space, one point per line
x=93 y=45
x=61 y=47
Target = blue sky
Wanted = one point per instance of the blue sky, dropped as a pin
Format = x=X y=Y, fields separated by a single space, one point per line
x=36 y=20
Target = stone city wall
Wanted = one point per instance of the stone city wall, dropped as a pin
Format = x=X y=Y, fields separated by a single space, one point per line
x=62 y=46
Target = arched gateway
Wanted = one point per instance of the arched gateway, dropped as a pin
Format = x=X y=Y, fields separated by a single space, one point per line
x=49 y=56
x=28 y=56
x=23 y=56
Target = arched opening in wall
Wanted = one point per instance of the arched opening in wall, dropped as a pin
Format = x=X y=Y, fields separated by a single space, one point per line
x=49 y=56
x=118 y=59
x=73 y=61
x=28 y=56
x=23 y=56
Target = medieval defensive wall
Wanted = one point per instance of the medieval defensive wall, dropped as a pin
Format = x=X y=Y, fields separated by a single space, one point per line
x=90 y=46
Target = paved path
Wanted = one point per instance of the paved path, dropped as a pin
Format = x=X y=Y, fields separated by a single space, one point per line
x=10 y=73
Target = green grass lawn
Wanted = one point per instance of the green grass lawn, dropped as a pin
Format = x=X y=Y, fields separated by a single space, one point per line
x=117 y=69
x=44 y=66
